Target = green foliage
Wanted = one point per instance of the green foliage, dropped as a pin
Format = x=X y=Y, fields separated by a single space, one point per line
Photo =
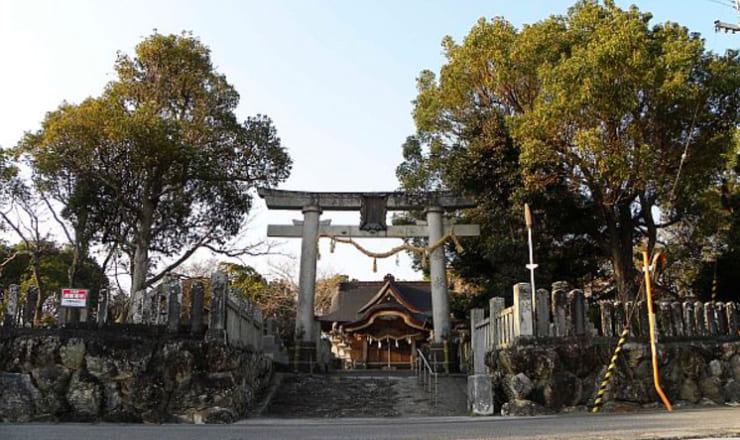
x=585 y=116
x=158 y=164
x=53 y=264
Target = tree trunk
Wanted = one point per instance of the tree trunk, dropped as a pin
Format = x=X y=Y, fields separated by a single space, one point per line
x=140 y=264
x=38 y=307
x=620 y=226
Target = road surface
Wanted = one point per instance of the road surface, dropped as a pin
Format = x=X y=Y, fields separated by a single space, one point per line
x=683 y=424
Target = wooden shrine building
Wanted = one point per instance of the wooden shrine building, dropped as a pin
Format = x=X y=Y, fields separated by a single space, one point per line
x=379 y=324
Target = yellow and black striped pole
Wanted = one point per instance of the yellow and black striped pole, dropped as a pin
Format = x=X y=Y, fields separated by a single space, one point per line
x=599 y=402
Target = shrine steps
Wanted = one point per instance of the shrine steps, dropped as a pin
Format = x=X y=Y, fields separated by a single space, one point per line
x=366 y=393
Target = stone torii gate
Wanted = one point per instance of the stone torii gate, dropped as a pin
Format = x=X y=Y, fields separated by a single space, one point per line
x=373 y=208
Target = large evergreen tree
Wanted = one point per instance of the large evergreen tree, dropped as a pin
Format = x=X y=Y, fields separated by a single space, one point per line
x=584 y=115
x=158 y=165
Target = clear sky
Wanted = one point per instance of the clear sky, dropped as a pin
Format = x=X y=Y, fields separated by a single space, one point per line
x=337 y=77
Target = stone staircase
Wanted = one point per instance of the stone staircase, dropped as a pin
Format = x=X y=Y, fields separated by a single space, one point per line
x=364 y=394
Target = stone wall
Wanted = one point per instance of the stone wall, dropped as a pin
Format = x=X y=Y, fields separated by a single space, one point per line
x=539 y=376
x=117 y=376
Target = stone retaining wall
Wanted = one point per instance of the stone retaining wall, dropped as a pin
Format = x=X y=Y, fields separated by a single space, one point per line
x=83 y=375
x=540 y=376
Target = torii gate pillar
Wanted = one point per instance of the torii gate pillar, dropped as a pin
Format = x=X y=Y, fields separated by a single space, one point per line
x=307 y=276
x=438 y=273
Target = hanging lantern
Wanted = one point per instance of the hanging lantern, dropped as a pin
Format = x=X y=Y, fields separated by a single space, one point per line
x=379 y=343
x=396 y=343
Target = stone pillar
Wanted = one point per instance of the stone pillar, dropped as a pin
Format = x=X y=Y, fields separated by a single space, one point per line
x=576 y=301
x=558 y=311
x=30 y=306
x=732 y=318
x=11 y=310
x=217 y=313
x=710 y=318
x=542 y=310
x=677 y=319
x=102 y=314
x=688 y=318
x=607 y=323
x=701 y=328
x=438 y=272
x=664 y=319
x=523 y=310
x=477 y=341
x=480 y=395
x=642 y=316
x=721 y=318
x=137 y=303
x=197 y=294
x=307 y=277
x=173 y=305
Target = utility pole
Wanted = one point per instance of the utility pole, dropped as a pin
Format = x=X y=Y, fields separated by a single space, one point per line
x=728 y=27
x=531 y=266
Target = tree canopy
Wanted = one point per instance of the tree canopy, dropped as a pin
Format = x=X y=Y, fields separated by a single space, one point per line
x=158 y=165
x=586 y=116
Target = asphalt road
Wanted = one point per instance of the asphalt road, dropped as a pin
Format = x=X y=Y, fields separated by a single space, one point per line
x=689 y=424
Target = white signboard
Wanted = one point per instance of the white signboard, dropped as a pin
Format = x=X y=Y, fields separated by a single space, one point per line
x=74 y=297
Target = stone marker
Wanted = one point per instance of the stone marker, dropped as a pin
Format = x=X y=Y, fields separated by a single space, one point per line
x=173 y=305
x=219 y=288
x=11 y=310
x=102 y=307
x=576 y=301
x=558 y=312
x=29 y=308
x=196 y=308
x=480 y=395
x=542 y=310
x=523 y=310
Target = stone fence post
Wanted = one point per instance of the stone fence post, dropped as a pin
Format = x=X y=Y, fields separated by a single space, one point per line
x=542 y=310
x=577 y=307
x=174 y=298
x=558 y=312
x=29 y=308
x=523 y=310
x=103 y=307
x=732 y=318
x=477 y=341
x=11 y=310
x=217 y=318
x=495 y=306
x=607 y=318
x=197 y=294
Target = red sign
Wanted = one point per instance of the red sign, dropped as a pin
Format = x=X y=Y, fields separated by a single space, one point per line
x=74 y=297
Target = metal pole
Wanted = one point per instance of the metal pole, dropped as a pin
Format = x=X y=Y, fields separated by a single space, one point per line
x=651 y=320
x=531 y=266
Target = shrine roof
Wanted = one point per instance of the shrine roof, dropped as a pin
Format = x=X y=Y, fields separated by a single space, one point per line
x=355 y=300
